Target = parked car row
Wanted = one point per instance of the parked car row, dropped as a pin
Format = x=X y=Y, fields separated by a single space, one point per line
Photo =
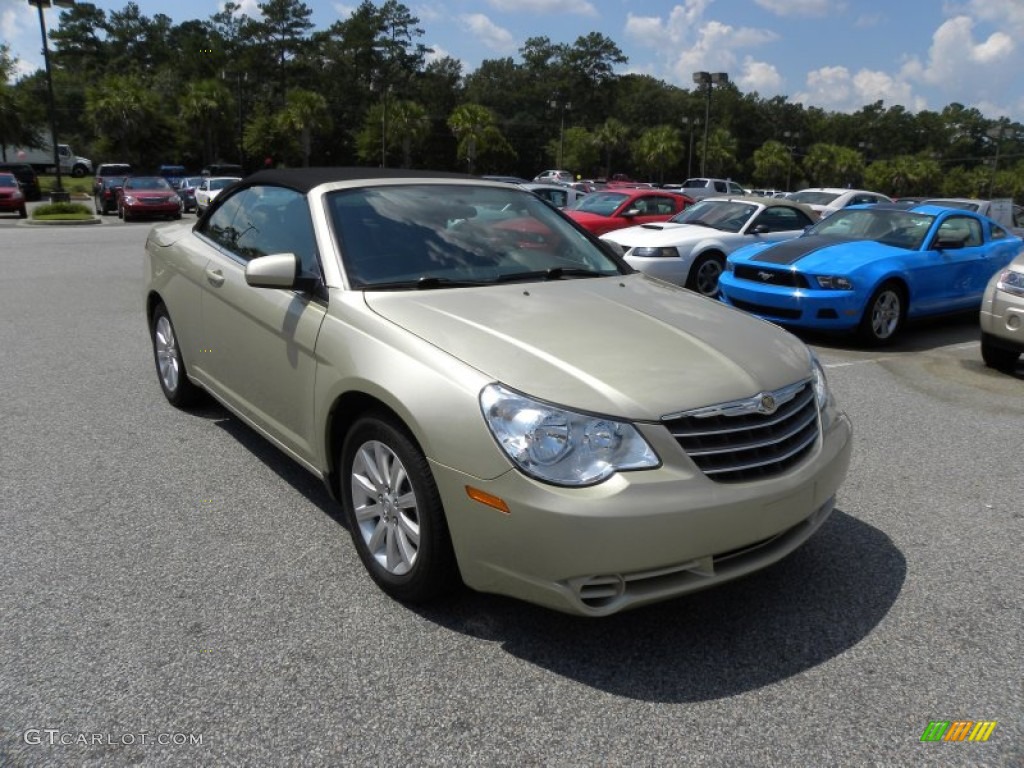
x=169 y=193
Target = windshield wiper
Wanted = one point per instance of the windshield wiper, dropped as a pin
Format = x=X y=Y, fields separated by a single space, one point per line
x=555 y=273
x=425 y=283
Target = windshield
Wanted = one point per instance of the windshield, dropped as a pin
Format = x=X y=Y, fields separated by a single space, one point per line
x=8 y=180
x=221 y=183
x=600 y=203
x=726 y=215
x=899 y=228
x=814 y=198
x=403 y=237
x=147 y=182
x=963 y=205
x=695 y=183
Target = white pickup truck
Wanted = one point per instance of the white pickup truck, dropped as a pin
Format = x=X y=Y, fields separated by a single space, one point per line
x=699 y=187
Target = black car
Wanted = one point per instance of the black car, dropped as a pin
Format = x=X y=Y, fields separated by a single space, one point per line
x=106 y=194
x=26 y=177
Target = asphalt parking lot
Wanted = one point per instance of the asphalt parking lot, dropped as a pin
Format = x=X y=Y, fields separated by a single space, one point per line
x=176 y=592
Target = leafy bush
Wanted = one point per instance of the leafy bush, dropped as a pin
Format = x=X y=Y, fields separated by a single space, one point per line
x=73 y=210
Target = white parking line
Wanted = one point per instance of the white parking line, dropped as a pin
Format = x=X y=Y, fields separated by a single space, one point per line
x=848 y=363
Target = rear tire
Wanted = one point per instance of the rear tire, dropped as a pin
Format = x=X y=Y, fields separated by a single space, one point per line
x=394 y=511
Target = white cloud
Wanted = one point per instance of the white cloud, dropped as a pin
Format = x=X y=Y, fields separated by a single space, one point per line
x=1007 y=14
x=828 y=87
x=759 y=76
x=954 y=56
x=438 y=53
x=800 y=7
x=715 y=49
x=579 y=7
x=497 y=39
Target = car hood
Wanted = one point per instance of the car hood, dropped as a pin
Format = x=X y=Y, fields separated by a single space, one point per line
x=816 y=254
x=626 y=346
x=662 y=233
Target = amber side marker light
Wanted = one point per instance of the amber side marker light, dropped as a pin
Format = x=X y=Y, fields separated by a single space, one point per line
x=485 y=498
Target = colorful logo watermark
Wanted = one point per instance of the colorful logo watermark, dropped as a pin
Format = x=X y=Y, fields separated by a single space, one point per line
x=958 y=730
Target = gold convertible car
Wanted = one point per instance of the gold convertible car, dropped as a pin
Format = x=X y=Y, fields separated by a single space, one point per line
x=491 y=394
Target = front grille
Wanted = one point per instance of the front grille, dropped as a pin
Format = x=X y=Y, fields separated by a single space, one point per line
x=784 y=277
x=737 y=442
x=764 y=309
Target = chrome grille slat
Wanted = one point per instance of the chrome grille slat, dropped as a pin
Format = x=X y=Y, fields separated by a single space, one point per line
x=792 y=429
x=733 y=442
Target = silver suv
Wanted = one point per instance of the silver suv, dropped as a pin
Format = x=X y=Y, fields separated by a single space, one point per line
x=1002 y=317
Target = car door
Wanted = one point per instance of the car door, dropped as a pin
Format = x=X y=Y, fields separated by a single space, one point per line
x=955 y=270
x=261 y=342
x=652 y=208
x=777 y=223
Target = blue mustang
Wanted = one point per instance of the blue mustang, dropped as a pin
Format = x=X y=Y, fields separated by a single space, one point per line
x=869 y=268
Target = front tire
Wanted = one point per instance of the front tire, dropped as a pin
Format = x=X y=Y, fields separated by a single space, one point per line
x=394 y=512
x=884 y=314
x=170 y=366
x=704 y=274
x=998 y=358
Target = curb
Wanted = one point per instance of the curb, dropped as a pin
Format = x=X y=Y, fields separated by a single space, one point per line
x=59 y=222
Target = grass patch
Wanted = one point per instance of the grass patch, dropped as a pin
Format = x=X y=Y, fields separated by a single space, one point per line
x=82 y=186
x=61 y=212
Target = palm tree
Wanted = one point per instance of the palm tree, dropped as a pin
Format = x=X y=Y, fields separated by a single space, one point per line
x=610 y=136
x=304 y=112
x=411 y=122
x=478 y=134
x=203 y=105
x=658 y=147
x=119 y=108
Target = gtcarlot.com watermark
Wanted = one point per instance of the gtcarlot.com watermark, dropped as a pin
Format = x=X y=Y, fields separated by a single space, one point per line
x=56 y=737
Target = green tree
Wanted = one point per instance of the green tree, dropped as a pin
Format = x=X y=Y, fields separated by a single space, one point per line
x=829 y=165
x=203 y=106
x=304 y=112
x=773 y=165
x=610 y=137
x=480 y=139
x=126 y=115
x=721 y=152
x=658 y=148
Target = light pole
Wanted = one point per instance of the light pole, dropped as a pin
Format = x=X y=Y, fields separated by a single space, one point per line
x=707 y=80
x=691 y=122
x=58 y=195
x=997 y=135
x=557 y=103
x=795 y=136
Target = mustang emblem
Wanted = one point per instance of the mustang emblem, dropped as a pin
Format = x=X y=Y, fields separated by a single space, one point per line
x=766 y=276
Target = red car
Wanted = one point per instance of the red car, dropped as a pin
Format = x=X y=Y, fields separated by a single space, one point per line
x=12 y=200
x=146 y=196
x=610 y=209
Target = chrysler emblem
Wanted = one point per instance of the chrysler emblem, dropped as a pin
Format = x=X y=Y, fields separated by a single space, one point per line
x=767 y=405
x=766 y=276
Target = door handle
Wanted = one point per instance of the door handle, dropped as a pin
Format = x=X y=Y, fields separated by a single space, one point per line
x=215 y=277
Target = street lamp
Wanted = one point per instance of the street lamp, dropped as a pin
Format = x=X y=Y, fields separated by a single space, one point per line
x=996 y=134
x=557 y=103
x=691 y=122
x=795 y=136
x=708 y=80
x=58 y=195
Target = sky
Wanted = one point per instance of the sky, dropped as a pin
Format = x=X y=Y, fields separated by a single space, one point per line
x=838 y=55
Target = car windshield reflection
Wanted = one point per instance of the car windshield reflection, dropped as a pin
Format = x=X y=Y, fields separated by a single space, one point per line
x=899 y=228
x=435 y=236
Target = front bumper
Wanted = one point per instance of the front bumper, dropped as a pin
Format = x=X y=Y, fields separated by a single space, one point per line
x=671 y=270
x=639 y=537
x=796 y=307
x=152 y=209
x=1002 y=319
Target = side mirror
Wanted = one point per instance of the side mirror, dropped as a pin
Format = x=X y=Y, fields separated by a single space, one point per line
x=631 y=213
x=761 y=229
x=278 y=271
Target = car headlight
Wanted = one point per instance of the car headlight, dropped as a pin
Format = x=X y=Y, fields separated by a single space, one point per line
x=561 y=446
x=175 y=199
x=667 y=252
x=826 y=403
x=1011 y=281
x=835 y=283
x=129 y=200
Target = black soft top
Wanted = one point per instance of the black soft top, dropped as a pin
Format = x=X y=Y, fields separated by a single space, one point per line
x=305 y=179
